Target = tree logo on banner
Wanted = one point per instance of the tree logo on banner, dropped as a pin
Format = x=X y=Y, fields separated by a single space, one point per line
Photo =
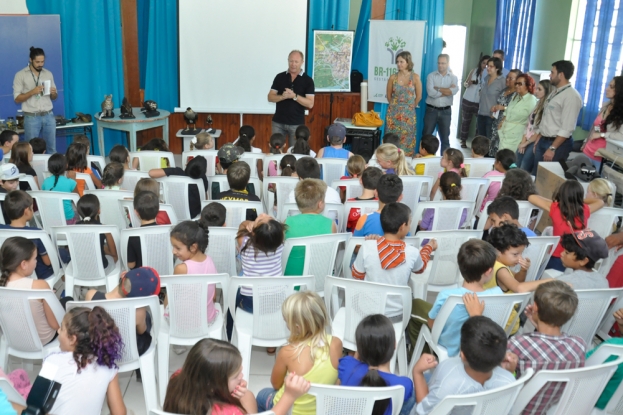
x=394 y=47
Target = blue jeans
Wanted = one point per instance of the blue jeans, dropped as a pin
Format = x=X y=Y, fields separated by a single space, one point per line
x=265 y=399
x=439 y=119
x=526 y=160
x=561 y=153
x=41 y=126
x=484 y=124
x=285 y=129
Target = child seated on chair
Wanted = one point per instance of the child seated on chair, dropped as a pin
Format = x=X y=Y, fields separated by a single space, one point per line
x=547 y=348
x=146 y=206
x=308 y=168
x=83 y=139
x=155 y=144
x=476 y=259
x=581 y=250
x=77 y=162
x=214 y=214
x=9 y=177
x=388 y=259
x=476 y=369
x=450 y=185
x=147 y=184
x=504 y=209
x=391 y=158
x=336 y=134
x=310 y=196
x=57 y=182
x=354 y=167
x=238 y=178
x=89 y=212
x=7 y=139
x=428 y=148
x=202 y=141
x=39 y=146
x=18 y=206
x=120 y=154
x=480 y=146
x=504 y=161
x=112 y=178
x=369 y=180
x=195 y=169
x=375 y=338
x=388 y=190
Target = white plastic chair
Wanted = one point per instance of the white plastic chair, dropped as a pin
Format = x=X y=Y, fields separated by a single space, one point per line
x=237 y=210
x=86 y=268
x=88 y=180
x=131 y=177
x=365 y=207
x=352 y=186
x=333 y=211
x=583 y=388
x=39 y=164
x=283 y=186
x=123 y=312
x=492 y=402
x=151 y=159
x=222 y=249
x=354 y=400
x=605 y=265
x=126 y=209
x=19 y=332
x=331 y=169
x=361 y=299
x=223 y=185
x=539 y=252
x=603 y=220
x=188 y=317
x=413 y=187
x=2 y=196
x=155 y=247
x=51 y=209
x=497 y=307
x=100 y=161
x=525 y=212
x=30 y=180
x=598 y=358
x=175 y=192
x=210 y=156
x=264 y=327
x=448 y=214
x=109 y=206
x=443 y=270
x=276 y=158
x=251 y=159
x=432 y=165
x=478 y=167
x=11 y=393
x=592 y=307
x=320 y=256
x=349 y=251
x=49 y=246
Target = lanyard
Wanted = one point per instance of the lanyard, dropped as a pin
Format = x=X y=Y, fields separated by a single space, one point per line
x=557 y=92
x=36 y=81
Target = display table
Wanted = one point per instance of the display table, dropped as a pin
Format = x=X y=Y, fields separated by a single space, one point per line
x=186 y=139
x=131 y=126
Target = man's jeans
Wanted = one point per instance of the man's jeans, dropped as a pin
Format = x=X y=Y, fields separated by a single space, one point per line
x=285 y=129
x=484 y=125
x=561 y=153
x=440 y=119
x=43 y=127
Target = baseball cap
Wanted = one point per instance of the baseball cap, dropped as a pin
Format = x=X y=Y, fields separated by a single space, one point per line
x=9 y=171
x=337 y=130
x=230 y=153
x=144 y=281
x=595 y=246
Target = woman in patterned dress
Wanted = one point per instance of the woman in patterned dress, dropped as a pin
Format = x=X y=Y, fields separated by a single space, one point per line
x=504 y=99
x=404 y=92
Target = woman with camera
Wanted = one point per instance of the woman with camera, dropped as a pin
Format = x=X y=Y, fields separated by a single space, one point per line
x=471 y=97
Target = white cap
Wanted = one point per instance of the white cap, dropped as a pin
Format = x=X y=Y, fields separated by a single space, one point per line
x=9 y=171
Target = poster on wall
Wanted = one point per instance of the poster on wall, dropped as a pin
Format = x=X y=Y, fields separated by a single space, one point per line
x=387 y=39
x=332 y=60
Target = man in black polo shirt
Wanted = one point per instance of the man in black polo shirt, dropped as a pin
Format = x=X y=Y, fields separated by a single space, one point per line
x=293 y=92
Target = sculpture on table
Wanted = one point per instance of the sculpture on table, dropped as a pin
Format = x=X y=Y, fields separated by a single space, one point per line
x=150 y=109
x=107 y=107
x=191 y=119
x=126 y=109
x=209 y=121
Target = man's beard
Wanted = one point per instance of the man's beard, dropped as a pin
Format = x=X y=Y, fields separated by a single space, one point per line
x=37 y=69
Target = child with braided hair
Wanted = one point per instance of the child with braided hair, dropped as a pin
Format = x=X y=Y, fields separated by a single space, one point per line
x=450 y=185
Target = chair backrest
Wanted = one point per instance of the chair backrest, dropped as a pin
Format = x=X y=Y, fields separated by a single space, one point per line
x=131 y=177
x=151 y=159
x=413 y=187
x=188 y=302
x=332 y=169
x=539 y=252
x=123 y=312
x=352 y=186
x=283 y=186
x=175 y=192
x=84 y=244
x=51 y=209
x=237 y=210
x=525 y=212
x=30 y=180
x=365 y=207
x=269 y=293
x=444 y=269
x=100 y=161
x=222 y=249
x=349 y=251
x=333 y=211
x=363 y=298
x=251 y=159
x=474 y=189
x=354 y=400
x=492 y=402
x=155 y=247
x=223 y=185
x=17 y=321
x=592 y=307
x=126 y=209
x=109 y=206
x=448 y=214
x=88 y=180
x=45 y=239
x=605 y=351
x=210 y=156
x=432 y=165
x=606 y=264
x=320 y=255
x=477 y=167
x=583 y=388
x=276 y=158
x=604 y=219
x=39 y=164
x=10 y=392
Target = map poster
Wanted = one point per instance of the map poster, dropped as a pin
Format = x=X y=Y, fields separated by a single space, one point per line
x=333 y=56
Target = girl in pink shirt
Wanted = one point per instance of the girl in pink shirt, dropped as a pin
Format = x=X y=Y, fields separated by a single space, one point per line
x=452 y=160
x=504 y=161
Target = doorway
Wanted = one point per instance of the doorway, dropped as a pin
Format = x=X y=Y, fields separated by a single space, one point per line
x=454 y=37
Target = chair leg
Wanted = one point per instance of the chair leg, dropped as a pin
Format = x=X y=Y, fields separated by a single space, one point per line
x=4 y=354
x=163 y=366
x=148 y=373
x=401 y=357
x=243 y=343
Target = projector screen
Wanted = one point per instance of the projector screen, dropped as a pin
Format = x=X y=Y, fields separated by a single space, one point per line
x=231 y=50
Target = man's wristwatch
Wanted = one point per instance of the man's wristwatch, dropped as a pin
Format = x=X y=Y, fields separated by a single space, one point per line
x=296 y=97
x=552 y=148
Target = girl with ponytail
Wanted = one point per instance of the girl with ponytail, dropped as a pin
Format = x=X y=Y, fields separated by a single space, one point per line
x=18 y=261
x=189 y=240
x=57 y=182
x=376 y=342
x=392 y=159
x=113 y=176
x=89 y=210
x=90 y=347
x=450 y=185
x=301 y=145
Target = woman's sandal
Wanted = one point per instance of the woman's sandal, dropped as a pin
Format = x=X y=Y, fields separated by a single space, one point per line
x=463 y=144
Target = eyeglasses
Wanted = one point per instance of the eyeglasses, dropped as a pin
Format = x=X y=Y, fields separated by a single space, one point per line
x=519 y=84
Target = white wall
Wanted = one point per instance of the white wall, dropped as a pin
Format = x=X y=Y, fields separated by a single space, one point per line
x=13 y=7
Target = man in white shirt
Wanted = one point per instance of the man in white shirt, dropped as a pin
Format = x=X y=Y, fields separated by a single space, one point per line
x=441 y=85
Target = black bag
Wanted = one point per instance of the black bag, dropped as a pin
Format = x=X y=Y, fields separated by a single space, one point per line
x=356 y=78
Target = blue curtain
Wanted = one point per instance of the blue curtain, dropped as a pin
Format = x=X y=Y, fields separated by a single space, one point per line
x=362 y=41
x=92 y=54
x=325 y=15
x=514 y=25
x=142 y=13
x=594 y=69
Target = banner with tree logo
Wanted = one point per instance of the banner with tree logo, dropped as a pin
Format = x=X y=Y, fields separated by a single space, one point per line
x=387 y=39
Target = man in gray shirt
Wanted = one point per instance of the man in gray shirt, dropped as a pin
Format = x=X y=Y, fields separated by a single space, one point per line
x=29 y=90
x=441 y=86
x=560 y=115
x=582 y=250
